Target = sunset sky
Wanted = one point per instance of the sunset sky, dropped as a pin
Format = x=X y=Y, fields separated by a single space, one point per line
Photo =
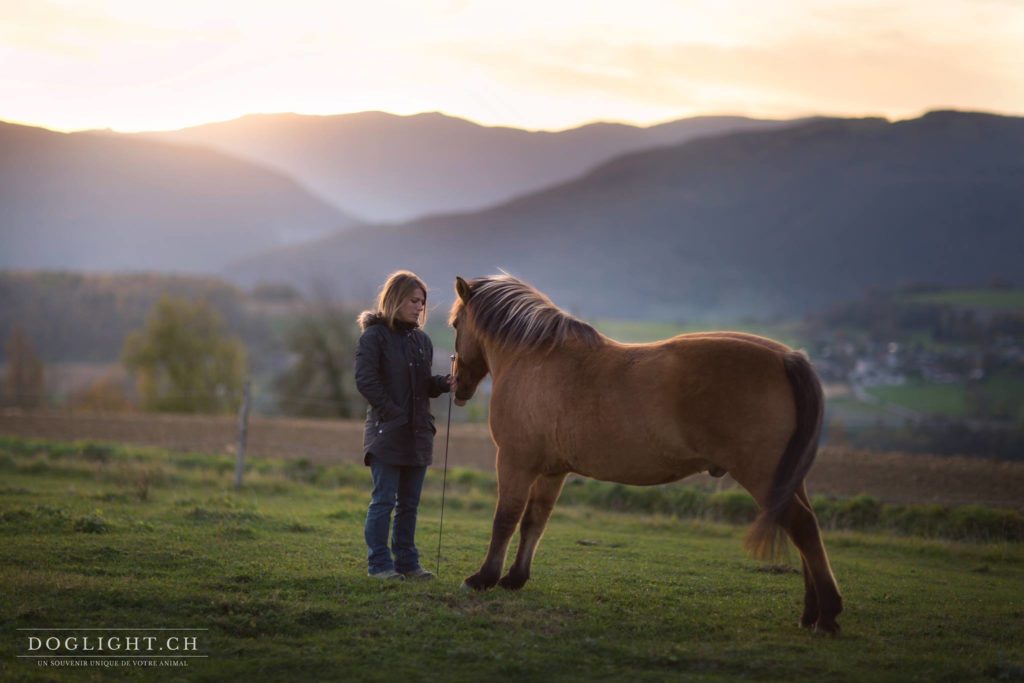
x=545 y=64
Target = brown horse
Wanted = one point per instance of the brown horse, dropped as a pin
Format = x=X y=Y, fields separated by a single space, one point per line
x=567 y=399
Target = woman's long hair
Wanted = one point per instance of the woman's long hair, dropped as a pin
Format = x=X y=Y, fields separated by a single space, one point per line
x=397 y=288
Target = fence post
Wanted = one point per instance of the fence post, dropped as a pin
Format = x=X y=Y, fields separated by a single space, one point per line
x=243 y=429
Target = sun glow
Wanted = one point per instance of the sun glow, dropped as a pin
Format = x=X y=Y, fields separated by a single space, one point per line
x=132 y=65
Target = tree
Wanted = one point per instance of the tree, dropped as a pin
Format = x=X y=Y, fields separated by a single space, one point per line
x=322 y=343
x=23 y=382
x=183 y=359
x=106 y=394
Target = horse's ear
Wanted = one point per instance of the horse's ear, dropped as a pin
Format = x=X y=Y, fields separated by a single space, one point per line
x=462 y=289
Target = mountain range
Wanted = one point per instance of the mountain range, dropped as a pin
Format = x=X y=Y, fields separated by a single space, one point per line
x=740 y=218
x=386 y=168
x=98 y=202
x=752 y=223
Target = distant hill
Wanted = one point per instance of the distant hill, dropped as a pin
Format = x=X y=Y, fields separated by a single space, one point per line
x=749 y=223
x=102 y=202
x=389 y=168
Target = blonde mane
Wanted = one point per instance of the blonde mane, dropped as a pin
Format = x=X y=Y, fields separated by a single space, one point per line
x=512 y=313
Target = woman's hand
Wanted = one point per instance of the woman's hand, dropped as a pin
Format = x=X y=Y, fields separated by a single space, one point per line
x=453 y=383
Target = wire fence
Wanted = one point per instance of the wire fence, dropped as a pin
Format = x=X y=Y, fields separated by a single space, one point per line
x=246 y=433
x=839 y=471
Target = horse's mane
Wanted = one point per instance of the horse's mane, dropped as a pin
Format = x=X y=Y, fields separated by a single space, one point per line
x=512 y=313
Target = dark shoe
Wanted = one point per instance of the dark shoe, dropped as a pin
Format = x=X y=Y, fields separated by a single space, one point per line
x=419 y=574
x=386 y=574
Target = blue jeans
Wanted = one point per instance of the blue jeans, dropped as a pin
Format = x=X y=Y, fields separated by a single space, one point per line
x=395 y=488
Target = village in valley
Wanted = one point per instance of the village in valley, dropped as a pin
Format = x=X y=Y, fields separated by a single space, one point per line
x=897 y=362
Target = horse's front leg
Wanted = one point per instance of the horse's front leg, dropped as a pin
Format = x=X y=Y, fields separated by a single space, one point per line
x=513 y=492
x=543 y=494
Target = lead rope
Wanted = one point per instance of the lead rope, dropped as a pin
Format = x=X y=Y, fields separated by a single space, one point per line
x=444 y=479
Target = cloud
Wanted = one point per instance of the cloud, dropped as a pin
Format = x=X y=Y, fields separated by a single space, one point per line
x=888 y=71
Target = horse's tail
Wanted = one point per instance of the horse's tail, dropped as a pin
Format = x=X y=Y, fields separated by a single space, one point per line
x=766 y=536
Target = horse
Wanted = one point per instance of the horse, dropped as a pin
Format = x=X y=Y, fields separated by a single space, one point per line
x=567 y=399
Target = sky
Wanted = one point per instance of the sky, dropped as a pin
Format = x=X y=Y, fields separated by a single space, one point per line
x=134 y=65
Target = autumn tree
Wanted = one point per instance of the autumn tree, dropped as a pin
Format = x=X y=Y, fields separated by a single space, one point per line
x=184 y=360
x=23 y=380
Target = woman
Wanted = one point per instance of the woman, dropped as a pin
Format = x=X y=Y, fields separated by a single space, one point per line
x=393 y=365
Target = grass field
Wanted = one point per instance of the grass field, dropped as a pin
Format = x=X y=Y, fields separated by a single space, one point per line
x=949 y=400
x=1004 y=299
x=1003 y=395
x=838 y=470
x=104 y=537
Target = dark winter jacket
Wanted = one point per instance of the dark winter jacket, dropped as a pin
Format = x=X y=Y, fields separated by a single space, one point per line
x=393 y=374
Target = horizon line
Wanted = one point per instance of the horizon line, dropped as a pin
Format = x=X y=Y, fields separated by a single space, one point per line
x=585 y=124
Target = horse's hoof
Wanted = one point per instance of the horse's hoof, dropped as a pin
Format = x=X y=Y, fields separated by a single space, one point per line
x=512 y=583
x=824 y=627
x=478 y=583
x=808 y=620
x=465 y=587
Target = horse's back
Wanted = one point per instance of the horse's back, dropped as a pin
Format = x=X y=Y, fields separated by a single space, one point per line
x=726 y=359
x=713 y=378
x=729 y=336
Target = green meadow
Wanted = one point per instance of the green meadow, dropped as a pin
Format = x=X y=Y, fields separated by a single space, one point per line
x=998 y=299
x=637 y=584
x=1001 y=394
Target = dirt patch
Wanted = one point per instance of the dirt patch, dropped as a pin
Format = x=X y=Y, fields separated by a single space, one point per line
x=890 y=477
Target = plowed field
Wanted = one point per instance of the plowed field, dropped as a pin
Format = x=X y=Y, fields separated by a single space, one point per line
x=890 y=477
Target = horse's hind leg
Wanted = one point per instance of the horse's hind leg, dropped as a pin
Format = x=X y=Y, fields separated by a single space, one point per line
x=513 y=492
x=543 y=494
x=810 y=615
x=822 y=601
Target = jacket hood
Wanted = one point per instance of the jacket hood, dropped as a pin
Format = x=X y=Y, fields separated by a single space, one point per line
x=368 y=319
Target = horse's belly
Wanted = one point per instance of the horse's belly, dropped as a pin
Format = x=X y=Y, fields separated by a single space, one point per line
x=647 y=476
x=641 y=467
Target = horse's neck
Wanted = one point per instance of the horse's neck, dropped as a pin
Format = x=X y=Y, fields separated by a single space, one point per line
x=501 y=361
x=496 y=360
